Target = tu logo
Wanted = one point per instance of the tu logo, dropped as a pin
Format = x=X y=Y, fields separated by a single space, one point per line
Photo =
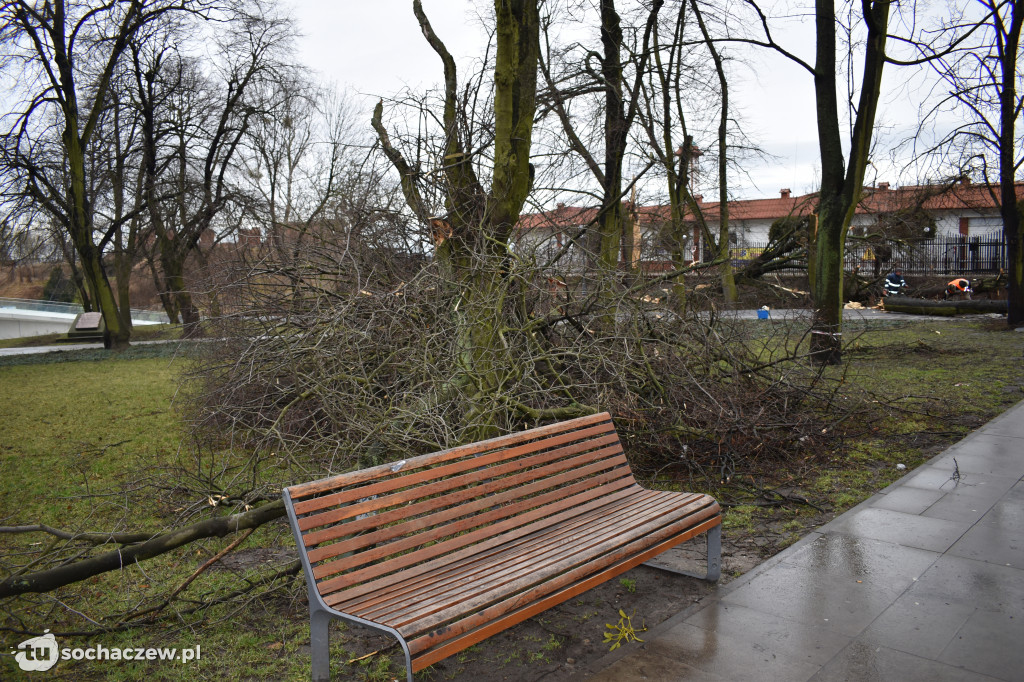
x=38 y=653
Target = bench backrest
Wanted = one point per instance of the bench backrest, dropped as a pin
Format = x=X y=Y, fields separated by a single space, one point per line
x=361 y=527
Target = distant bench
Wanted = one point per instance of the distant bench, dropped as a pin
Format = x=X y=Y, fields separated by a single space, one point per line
x=444 y=550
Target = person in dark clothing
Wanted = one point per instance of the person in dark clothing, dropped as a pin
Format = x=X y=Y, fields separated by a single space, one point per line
x=894 y=283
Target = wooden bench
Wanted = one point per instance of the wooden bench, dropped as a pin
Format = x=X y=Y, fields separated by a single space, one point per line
x=444 y=550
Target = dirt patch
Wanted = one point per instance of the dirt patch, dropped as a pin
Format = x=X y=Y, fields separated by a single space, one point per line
x=243 y=560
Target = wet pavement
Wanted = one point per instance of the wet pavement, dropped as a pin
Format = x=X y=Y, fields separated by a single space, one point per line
x=923 y=581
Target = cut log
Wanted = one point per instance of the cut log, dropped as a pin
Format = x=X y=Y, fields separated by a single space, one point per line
x=923 y=306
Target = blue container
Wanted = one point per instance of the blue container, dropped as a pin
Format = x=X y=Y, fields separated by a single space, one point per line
x=763 y=314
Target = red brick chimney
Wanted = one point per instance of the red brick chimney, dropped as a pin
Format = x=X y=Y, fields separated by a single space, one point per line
x=784 y=193
x=883 y=186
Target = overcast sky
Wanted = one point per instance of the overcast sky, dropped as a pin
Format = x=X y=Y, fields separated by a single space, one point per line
x=375 y=49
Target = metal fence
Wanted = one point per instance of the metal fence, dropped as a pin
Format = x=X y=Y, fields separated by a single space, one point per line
x=945 y=255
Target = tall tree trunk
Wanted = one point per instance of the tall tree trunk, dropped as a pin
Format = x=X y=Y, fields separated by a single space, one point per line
x=75 y=138
x=475 y=255
x=173 y=264
x=728 y=278
x=1010 y=209
x=840 y=187
x=97 y=283
x=679 y=202
x=615 y=131
x=673 y=154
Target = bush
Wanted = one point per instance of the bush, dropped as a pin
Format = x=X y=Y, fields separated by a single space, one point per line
x=343 y=377
x=59 y=287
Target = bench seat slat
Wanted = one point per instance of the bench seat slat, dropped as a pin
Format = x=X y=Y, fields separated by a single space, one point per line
x=507 y=549
x=430 y=649
x=513 y=552
x=480 y=581
x=298 y=492
x=491 y=578
x=455 y=549
x=605 y=553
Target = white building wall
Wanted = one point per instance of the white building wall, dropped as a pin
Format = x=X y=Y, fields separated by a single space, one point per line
x=947 y=223
x=16 y=324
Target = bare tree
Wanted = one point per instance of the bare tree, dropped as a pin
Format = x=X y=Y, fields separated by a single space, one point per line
x=982 y=85
x=64 y=56
x=728 y=280
x=679 y=108
x=605 y=75
x=479 y=222
x=196 y=121
x=865 y=34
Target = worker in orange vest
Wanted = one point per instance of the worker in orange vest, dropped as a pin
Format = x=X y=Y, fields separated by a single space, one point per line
x=959 y=286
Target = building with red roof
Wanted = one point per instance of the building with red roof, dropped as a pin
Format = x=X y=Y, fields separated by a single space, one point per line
x=911 y=212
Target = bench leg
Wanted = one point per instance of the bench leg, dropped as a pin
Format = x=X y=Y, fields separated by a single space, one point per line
x=714 y=571
x=714 y=554
x=319 y=644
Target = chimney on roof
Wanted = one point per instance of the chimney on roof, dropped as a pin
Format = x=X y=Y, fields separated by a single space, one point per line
x=698 y=198
x=559 y=206
x=784 y=193
x=965 y=180
x=883 y=186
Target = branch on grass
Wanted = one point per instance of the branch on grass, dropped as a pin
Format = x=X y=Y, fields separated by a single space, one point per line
x=94 y=538
x=51 y=579
x=188 y=581
x=769 y=498
x=130 y=621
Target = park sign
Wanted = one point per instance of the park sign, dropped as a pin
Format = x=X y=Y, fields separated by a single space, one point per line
x=87 y=327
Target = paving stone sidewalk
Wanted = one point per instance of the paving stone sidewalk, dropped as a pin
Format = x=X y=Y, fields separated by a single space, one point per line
x=923 y=581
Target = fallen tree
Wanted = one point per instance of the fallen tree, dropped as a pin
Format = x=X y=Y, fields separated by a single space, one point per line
x=923 y=306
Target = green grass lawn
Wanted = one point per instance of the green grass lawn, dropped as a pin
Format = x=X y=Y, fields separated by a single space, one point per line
x=70 y=427
x=87 y=445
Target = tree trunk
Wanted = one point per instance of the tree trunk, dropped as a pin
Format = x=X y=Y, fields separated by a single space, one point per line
x=728 y=278
x=476 y=252
x=80 y=208
x=116 y=335
x=827 y=286
x=75 y=571
x=123 y=272
x=840 y=187
x=173 y=264
x=679 y=199
x=1009 y=207
x=1015 y=262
